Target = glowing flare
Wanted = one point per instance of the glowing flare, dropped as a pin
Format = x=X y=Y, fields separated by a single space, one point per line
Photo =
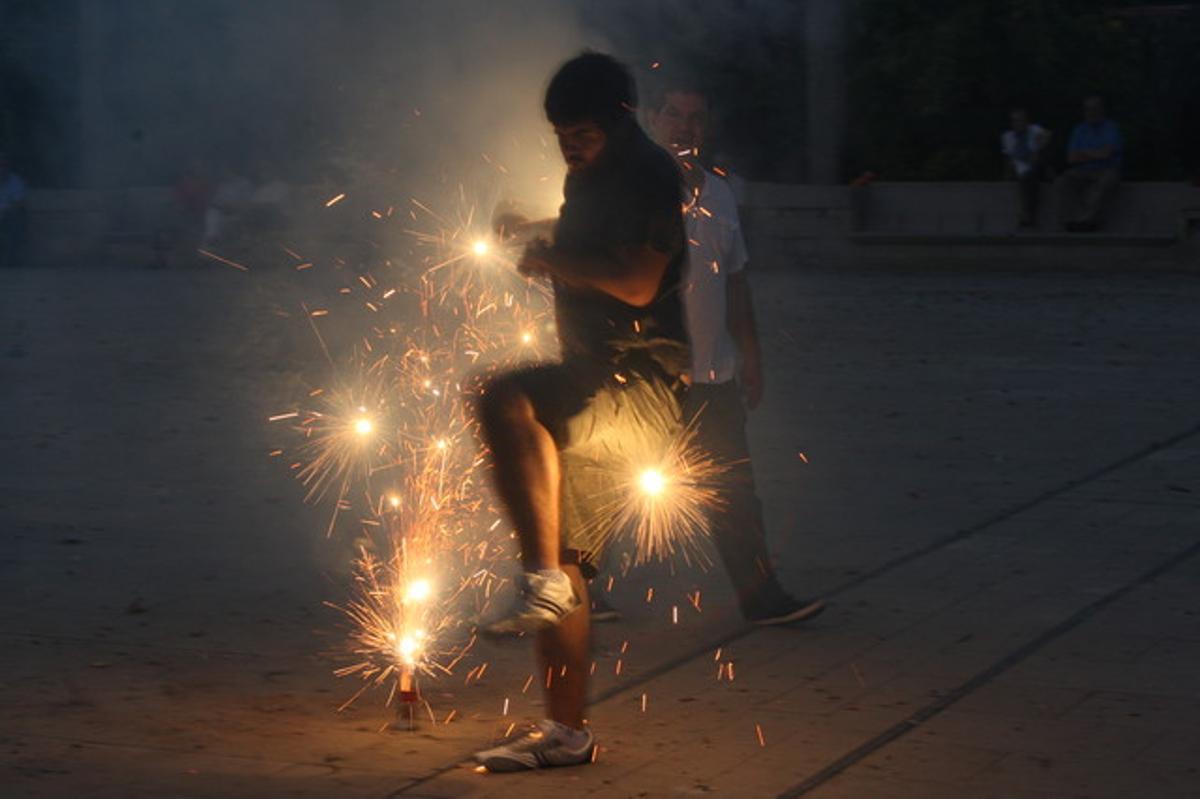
x=652 y=482
x=408 y=648
x=480 y=247
x=662 y=499
x=364 y=426
x=418 y=591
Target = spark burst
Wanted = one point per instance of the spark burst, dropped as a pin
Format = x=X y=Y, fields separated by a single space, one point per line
x=394 y=448
x=661 y=499
x=665 y=503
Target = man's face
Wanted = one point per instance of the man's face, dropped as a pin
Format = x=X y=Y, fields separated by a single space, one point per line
x=1093 y=110
x=1019 y=121
x=682 y=122
x=581 y=144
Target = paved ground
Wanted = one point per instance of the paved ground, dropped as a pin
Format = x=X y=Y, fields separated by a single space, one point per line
x=1001 y=497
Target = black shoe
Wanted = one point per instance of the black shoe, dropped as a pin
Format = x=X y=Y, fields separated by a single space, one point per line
x=602 y=611
x=786 y=611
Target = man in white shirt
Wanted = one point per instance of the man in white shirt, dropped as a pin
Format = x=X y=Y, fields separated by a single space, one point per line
x=727 y=373
x=1023 y=146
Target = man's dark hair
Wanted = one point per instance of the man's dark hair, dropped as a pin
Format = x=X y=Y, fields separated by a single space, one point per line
x=591 y=86
x=672 y=82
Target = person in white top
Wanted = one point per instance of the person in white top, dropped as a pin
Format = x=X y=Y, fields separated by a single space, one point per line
x=1023 y=147
x=727 y=370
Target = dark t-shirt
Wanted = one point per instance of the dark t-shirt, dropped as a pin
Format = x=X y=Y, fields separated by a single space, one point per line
x=633 y=199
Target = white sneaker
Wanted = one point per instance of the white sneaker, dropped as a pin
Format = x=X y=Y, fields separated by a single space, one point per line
x=546 y=596
x=547 y=744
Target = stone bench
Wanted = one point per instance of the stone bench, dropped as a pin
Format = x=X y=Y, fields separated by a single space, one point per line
x=985 y=213
x=1023 y=238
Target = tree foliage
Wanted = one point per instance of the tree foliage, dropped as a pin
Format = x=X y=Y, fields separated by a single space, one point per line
x=748 y=56
x=932 y=81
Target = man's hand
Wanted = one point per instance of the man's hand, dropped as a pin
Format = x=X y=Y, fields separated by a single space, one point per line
x=507 y=224
x=740 y=322
x=535 y=260
x=751 y=381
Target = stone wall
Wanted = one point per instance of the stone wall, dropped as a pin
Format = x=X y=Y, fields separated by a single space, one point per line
x=787 y=226
x=926 y=223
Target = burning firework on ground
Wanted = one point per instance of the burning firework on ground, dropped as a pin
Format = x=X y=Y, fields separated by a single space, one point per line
x=393 y=447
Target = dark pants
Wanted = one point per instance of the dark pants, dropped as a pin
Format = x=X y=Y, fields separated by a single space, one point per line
x=12 y=237
x=1084 y=194
x=1028 y=190
x=738 y=530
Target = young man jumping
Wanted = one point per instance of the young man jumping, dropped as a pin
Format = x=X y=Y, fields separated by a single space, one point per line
x=727 y=373
x=557 y=433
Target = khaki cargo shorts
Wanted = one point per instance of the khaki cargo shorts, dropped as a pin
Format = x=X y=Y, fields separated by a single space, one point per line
x=606 y=422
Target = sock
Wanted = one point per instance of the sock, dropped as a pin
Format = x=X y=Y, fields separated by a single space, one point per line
x=555 y=575
x=551 y=584
x=554 y=581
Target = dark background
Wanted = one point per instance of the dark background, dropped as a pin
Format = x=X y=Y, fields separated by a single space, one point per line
x=930 y=82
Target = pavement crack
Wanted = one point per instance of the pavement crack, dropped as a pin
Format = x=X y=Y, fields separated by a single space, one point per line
x=1014 y=510
x=932 y=709
x=982 y=678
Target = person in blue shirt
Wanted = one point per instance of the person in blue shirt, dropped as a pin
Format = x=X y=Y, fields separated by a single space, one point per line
x=13 y=216
x=1094 y=154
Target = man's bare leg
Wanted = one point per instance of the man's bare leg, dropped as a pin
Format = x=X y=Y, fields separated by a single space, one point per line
x=564 y=652
x=526 y=470
x=562 y=740
x=527 y=478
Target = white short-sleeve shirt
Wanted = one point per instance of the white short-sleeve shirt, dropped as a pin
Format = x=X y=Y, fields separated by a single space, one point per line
x=1008 y=145
x=716 y=250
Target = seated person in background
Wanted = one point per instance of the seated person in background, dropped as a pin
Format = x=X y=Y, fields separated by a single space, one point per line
x=192 y=193
x=1094 y=168
x=12 y=215
x=226 y=207
x=1024 y=146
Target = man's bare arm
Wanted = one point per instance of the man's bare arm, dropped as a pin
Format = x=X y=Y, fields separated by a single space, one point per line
x=631 y=274
x=1094 y=154
x=516 y=228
